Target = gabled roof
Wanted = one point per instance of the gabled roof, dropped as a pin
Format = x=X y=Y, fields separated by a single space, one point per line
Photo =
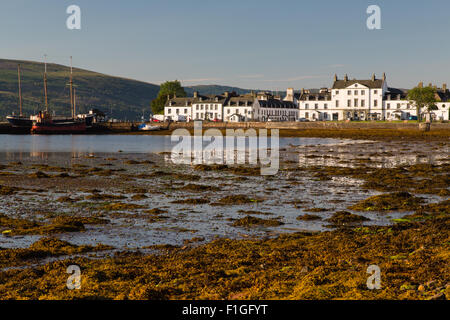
x=246 y=100
x=189 y=101
x=319 y=96
x=443 y=96
x=278 y=104
x=179 y=102
x=396 y=94
x=371 y=84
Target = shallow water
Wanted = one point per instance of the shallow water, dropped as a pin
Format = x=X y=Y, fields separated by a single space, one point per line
x=132 y=230
x=36 y=145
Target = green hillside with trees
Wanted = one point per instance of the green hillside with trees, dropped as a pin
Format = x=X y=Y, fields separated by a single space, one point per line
x=120 y=98
x=125 y=98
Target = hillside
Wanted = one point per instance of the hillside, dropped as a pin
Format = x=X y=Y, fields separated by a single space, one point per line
x=125 y=98
x=215 y=89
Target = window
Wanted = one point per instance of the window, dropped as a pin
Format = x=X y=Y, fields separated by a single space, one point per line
x=375 y=91
x=337 y=103
x=349 y=92
x=306 y=106
x=356 y=92
x=375 y=103
x=169 y=111
x=185 y=111
x=356 y=102
x=196 y=107
x=362 y=103
x=363 y=92
x=336 y=92
x=388 y=106
x=398 y=105
x=177 y=111
x=228 y=111
x=325 y=106
x=306 y=114
x=349 y=103
x=316 y=106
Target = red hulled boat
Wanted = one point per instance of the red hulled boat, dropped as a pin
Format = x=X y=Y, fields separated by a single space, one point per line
x=45 y=125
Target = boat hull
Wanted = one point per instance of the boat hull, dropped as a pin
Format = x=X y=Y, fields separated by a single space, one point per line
x=20 y=122
x=59 y=128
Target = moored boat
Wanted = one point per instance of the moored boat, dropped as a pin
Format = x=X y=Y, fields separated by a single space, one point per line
x=44 y=124
x=19 y=121
x=148 y=127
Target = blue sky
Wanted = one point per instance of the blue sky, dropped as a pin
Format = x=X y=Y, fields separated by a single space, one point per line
x=247 y=43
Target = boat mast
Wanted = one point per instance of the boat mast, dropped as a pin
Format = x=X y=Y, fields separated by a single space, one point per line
x=20 y=91
x=71 y=90
x=74 y=102
x=45 y=83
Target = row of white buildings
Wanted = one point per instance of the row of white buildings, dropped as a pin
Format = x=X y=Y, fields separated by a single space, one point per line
x=347 y=100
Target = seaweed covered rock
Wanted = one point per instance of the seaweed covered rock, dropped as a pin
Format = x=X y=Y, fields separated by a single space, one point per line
x=345 y=217
x=397 y=201
x=249 y=221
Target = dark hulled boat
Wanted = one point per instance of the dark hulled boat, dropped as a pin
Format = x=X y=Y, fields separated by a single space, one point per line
x=45 y=125
x=19 y=121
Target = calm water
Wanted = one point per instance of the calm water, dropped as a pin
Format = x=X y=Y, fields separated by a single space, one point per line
x=112 y=143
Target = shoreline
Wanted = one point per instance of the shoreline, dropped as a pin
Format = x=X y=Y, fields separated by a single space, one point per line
x=347 y=130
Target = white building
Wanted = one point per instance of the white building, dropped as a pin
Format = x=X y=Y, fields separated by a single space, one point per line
x=365 y=100
x=230 y=107
x=241 y=108
x=178 y=106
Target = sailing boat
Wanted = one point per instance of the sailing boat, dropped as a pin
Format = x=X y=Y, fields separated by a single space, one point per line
x=19 y=121
x=45 y=124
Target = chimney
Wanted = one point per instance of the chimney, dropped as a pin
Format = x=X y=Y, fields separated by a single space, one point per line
x=195 y=94
x=346 y=78
x=302 y=91
x=384 y=76
x=444 y=87
x=335 y=78
x=420 y=84
x=290 y=91
x=227 y=94
x=430 y=85
x=373 y=77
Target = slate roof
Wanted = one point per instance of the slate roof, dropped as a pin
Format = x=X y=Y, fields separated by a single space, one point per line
x=319 y=96
x=371 y=84
x=396 y=94
x=181 y=102
x=277 y=104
